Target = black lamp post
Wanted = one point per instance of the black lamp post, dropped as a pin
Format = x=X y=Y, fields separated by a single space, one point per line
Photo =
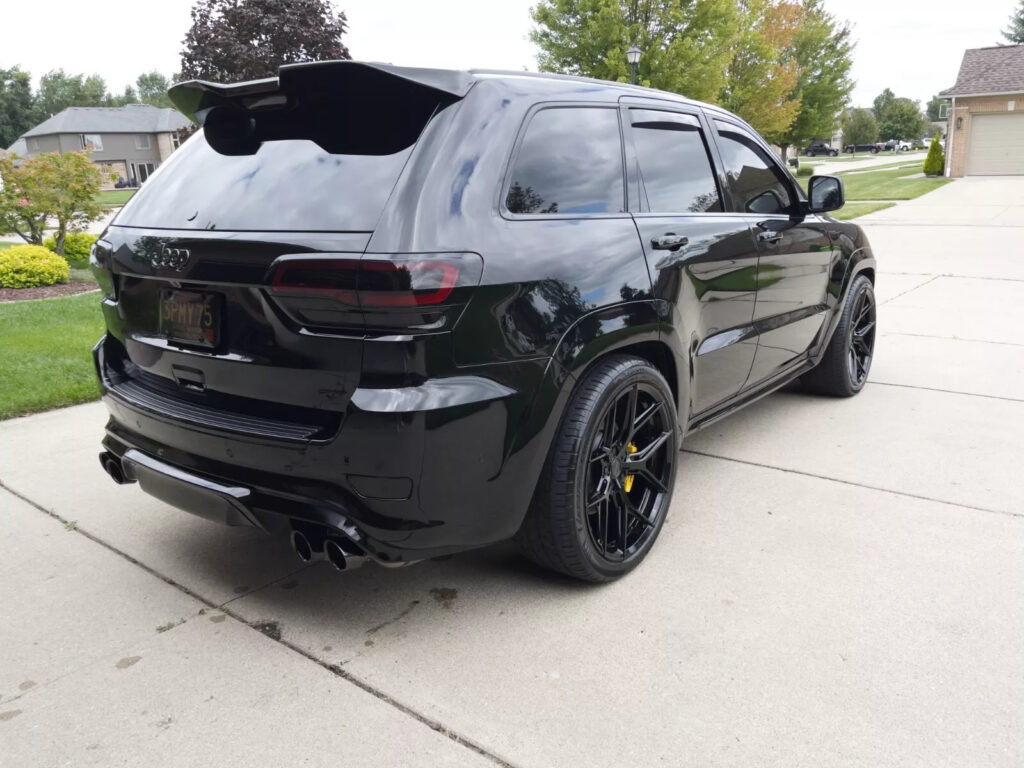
x=633 y=57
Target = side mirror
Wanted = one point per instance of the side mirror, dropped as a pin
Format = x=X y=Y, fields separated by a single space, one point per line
x=825 y=193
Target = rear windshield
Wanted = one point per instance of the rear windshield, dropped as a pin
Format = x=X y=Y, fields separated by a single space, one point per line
x=290 y=185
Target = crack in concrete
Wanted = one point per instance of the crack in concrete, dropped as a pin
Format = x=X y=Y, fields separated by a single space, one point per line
x=1017 y=515
x=405 y=709
x=948 y=391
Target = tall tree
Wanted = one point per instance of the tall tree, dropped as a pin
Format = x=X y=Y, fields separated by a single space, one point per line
x=762 y=78
x=883 y=100
x=58 y=90
x=901 y=119
x=686 y=44
x=128 y=97
x=232 y=40
x=859 y=127
x=932 y=110
x=1014 y=33
x=153 y=89
x=823 y=50
x=16 y=114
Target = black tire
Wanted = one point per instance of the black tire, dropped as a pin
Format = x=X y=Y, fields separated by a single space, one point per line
x=834 y=153
x=843 y=370
x=874 y=150
x=582 y=498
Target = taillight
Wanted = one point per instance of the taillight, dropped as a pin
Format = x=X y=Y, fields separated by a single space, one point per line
x=386 y=291
x=100 y=262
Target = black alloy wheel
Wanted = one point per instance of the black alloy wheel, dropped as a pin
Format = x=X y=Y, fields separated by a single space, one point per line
x=844 y=368
x=607 y=485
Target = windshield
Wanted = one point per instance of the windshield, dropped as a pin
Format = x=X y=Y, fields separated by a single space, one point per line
x=290 y=185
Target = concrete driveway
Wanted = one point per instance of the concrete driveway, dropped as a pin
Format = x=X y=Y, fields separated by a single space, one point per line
x=839 y=584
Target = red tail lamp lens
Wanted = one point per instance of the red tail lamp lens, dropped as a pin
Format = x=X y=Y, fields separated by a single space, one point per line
x=404 y=281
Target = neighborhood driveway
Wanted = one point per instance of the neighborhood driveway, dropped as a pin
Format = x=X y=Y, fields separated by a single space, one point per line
x=839 y=583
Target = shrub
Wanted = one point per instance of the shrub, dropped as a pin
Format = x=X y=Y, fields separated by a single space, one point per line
x=805 y=170
x=935 y=163
x=30 y=266
x=76 y=246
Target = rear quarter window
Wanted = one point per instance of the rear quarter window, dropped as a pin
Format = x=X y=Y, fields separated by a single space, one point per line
x=569 y=162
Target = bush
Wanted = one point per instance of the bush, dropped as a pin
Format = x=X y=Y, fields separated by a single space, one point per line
x=76 y=245
x=805 y=170
x=935 y=163
x=30 y=266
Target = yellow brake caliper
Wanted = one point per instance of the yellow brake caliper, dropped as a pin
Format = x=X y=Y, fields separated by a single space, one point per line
x=627 y=484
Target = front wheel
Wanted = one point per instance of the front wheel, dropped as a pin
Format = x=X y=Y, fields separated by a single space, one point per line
x=834 y=153
x=606 y=487
x=874 y=150
x=843 y=370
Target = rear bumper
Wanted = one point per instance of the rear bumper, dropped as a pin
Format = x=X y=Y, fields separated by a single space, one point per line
x=408 y=474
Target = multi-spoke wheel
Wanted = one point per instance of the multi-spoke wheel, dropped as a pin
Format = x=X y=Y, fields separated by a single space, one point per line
x=607 y=484
x=844 y=368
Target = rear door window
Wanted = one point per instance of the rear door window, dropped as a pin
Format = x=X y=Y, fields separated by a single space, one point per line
x=757 y=183
x=569 y=162
x=673 y=163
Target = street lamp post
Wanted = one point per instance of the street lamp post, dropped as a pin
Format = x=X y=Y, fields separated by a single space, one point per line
x=633 y=57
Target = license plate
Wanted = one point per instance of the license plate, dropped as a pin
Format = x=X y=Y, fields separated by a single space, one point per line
x=190 y=318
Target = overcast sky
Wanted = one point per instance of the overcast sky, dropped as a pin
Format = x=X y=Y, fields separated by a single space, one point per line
x=911 y=46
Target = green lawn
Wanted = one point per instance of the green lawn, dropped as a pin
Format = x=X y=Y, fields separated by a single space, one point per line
x=114 y=198
x=853 y=210
x=46 y=353
x=7 y=245
x=886 y=184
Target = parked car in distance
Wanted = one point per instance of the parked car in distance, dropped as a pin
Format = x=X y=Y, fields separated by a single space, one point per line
x=819 y=148
x=872 y=148
x=894 y=145
x=446 y=337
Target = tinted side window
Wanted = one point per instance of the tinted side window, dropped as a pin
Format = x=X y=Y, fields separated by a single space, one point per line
x=570 y=162
x=673 y=162
x=755 y=180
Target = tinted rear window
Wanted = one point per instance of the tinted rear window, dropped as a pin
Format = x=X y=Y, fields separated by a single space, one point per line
x=291 y=185
x=570 y=162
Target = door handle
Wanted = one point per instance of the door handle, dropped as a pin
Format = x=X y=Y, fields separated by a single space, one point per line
x=769 y=237
x=670 y=241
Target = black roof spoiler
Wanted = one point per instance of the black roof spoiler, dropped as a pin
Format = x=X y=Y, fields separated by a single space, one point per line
x=303 y=98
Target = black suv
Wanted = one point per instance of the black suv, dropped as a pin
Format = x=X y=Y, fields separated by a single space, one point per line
x=819 y=148
x=406 y=312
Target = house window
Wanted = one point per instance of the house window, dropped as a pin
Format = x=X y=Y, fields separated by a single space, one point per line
x=175 y=140
x=142 y=141
x=943 y=110
x=92 y=141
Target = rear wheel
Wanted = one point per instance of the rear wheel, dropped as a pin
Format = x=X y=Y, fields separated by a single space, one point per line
x=874 y=150
x=834 y=153
x=843 y=371
x=605 y=490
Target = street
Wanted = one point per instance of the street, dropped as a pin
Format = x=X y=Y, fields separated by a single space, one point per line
x=838 y=583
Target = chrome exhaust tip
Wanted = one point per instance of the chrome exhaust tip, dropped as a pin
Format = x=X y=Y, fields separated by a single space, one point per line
x=340 y=558
x=303 y=547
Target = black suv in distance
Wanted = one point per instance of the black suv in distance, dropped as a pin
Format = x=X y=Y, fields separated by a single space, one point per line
x=819 y=148
x=406 y=312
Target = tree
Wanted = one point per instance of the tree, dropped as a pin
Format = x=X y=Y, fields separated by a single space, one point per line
x=15 y=105
x=61 y=187
x=935 y=162
x=58 y=90
x=761 y=80
x=687 y=44
x=128 y=97
x=902 y=119
x=153 y=89
x=932 y=110
x=823 y=51
x=232 y=40
x=882 y=101
x=1014 y=33
x=859 y=127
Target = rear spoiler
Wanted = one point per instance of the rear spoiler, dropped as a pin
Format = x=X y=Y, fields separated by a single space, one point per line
x=347 y=107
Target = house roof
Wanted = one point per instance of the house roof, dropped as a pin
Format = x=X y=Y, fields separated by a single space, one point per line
x=134 y=118
x=20 y=147
x=990 y=70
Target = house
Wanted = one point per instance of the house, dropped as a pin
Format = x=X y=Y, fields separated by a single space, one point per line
x=985 y=130
x=128 y=141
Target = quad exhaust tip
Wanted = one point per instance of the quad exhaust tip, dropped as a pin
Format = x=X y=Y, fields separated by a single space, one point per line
x=340 y=558
x=113 y=467
x=303 y=547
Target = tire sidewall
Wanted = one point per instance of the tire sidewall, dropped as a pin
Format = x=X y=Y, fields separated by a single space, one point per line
x=641 y=371
x=860 y=286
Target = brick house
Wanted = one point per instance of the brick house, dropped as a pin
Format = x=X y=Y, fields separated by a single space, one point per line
x=985 y=129
x=130 y=142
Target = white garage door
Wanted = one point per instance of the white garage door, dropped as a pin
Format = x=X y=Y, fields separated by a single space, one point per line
x=996 y=146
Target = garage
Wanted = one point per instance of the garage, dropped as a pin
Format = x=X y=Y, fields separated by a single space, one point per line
x=996 y=145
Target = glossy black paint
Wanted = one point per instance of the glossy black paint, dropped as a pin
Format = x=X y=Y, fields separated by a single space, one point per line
x=420 y=442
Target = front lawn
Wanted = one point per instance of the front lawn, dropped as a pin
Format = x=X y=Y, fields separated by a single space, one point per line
x=114 y=198
x=46 y=353
x=4 y=244
x=853 y=210
x=888 y=184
